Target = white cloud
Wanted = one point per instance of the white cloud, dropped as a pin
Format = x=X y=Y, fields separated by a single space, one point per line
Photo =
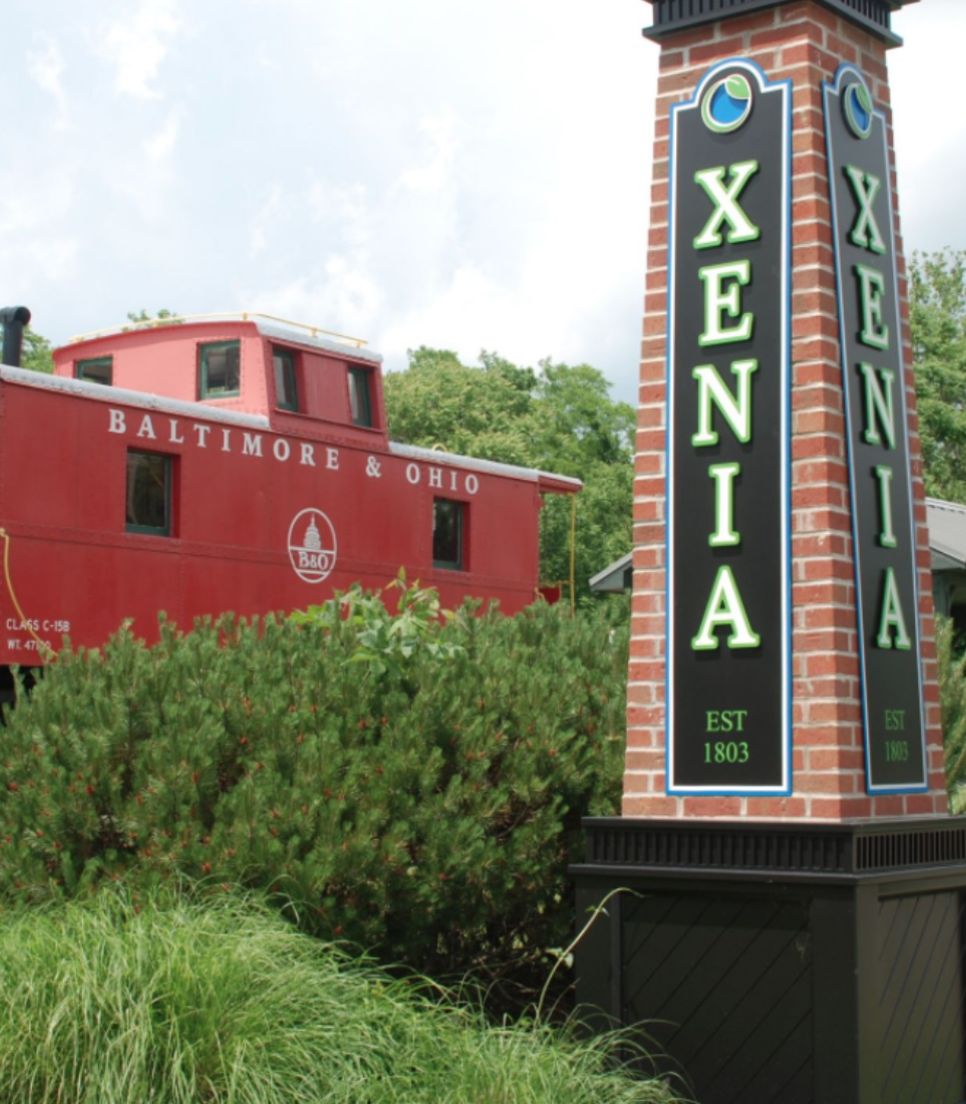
x=46 y=67
x=930 y=132
x=339 y=297
x=37 y=251
x=266 y=215
x=28 y=206
x=52 y=257
x=435 y=174
x=162 y=144
x=138 y=44
x=345 y=204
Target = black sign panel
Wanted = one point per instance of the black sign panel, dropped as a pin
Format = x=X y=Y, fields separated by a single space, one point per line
x=728 y=720
x=874 y=383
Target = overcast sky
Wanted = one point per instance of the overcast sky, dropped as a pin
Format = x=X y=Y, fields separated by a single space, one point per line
x=414 y=172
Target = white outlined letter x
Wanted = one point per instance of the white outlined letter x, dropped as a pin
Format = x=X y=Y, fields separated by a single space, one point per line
x=865 y=230
x=725 y=200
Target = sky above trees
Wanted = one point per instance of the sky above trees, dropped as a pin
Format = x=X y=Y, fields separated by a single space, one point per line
x=422 y=173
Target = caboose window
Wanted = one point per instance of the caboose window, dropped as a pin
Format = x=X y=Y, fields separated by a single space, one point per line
x=449 y=526
x=148 y=503
x=360 y=399
x=218 y=369
x=95 y=370
x=286 y=390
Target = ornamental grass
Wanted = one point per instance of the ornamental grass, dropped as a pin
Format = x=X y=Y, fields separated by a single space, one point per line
x=107 y=1002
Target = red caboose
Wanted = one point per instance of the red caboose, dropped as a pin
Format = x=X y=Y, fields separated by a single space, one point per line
x=233 y=463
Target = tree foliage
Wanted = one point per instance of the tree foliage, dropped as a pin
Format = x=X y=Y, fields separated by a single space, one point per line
x=142 y=315
x=937 y=310
x=557 y=418
x=37 y=352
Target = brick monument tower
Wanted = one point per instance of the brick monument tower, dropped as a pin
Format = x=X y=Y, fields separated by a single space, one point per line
x=792 y=926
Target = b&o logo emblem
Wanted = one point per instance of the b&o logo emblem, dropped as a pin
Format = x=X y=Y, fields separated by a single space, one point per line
x=311 y=545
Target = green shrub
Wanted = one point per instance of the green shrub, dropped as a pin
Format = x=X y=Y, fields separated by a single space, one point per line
x=108 y=1004
x=411 y=784
x=952 y=701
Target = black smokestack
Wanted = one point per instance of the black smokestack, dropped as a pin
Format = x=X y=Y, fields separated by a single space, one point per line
x=13 y=320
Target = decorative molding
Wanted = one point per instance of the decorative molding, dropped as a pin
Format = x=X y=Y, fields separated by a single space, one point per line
x=858 y=848
x=874 y=16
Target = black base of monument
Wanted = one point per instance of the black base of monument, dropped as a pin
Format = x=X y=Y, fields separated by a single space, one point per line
x=782 y=963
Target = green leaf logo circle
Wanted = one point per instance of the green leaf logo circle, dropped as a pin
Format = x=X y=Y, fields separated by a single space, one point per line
x=727 y=104
x=858 y=108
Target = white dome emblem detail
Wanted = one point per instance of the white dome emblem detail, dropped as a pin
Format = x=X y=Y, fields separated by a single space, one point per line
x=312 y=545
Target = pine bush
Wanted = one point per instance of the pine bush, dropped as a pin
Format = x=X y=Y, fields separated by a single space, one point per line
x=412 y=784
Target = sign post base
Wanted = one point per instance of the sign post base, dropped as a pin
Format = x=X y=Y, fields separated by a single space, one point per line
x=782 y=963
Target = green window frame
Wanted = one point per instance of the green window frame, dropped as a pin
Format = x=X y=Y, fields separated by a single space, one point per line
x=148 y=497
x=360 y=396
x=219 y=369
x=449 y=534
x=95 y=370
x=286 y=378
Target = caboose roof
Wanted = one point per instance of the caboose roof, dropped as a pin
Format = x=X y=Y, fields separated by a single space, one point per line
x=267 y=325
x=144 y=400
x=549 y=481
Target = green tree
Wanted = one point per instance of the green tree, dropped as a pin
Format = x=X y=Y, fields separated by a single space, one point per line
x=557 y=418
x=37 y=352
x=485 y=412
x=142 y=315
x=937 y=313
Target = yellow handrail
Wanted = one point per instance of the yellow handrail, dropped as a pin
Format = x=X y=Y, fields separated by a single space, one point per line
x=43 y=647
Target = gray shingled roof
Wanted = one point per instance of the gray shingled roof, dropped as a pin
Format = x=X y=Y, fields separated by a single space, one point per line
x=947 y=533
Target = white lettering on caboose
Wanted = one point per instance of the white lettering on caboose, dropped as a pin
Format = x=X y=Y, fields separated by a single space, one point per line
x=174 y=431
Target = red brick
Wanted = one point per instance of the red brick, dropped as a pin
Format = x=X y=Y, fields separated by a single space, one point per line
x=647 y=648
x=647 y=603
x=650 y=806
x=650 y=417
x=820 y=736
x=839 y=808
x=777 y=807
x=712 y=806
x=890 y=805
x=919 y=804
x=820 y=617
x=651 y=487
x=843 y=50
x=819 y=372
x=827 y=782
x=754 y=21
x=651 y=440
x=822 y=712
x=818 y=495
x=851 y=760
x=671 y=59
x=640 y=760
x=814 y=570
x=720 y=48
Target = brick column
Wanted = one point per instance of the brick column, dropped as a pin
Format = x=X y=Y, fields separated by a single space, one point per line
x=803 y=41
